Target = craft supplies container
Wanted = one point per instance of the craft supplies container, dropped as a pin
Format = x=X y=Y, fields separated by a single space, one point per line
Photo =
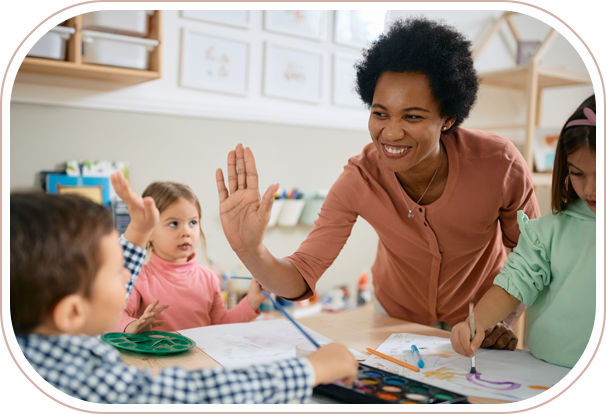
x=291 y=211
x=116 y=50
x=276 y=209
x=125 y=22
x=53 y=44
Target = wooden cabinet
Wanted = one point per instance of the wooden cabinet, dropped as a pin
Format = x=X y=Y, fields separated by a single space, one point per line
x=75 y=68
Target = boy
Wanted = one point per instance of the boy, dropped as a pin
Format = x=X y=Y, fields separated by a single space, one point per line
x=68 y=275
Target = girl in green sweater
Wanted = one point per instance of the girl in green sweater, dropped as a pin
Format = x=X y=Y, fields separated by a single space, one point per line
x=553 y=268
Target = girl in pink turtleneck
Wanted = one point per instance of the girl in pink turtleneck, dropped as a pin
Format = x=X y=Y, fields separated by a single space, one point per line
x=190 y=292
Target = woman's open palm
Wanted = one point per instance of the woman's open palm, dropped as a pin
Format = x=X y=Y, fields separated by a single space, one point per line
x=244 y=214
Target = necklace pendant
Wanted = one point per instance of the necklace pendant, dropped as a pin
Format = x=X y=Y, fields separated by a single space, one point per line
x=410 y=215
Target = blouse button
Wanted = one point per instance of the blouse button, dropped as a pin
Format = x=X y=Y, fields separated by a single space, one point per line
x=425 y=224
x=421 y=210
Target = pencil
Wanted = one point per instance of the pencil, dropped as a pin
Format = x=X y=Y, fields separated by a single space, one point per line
x=395 y=361
x=472 y=326
x=281 y=309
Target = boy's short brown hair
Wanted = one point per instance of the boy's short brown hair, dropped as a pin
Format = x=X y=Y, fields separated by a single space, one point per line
x=55 y=252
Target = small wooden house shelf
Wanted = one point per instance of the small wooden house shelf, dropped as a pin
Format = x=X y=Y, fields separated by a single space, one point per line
x=531 y=78
x=75 y=68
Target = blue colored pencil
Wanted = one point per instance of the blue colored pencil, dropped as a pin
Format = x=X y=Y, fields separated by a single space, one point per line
x=281 y=309
x=241 y=277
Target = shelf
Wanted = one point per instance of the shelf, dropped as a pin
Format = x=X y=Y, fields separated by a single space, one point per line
x=86 y=71
x=74 y=68
x=548 y=77
x=541 y=179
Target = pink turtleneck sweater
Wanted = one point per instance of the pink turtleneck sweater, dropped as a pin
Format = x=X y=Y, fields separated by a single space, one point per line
x=191 y=290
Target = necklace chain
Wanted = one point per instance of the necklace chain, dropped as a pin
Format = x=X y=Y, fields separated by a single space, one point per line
x=410 y=213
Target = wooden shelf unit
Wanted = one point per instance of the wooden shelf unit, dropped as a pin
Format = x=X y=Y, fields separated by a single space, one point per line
x=74 y=67
x=531 y=78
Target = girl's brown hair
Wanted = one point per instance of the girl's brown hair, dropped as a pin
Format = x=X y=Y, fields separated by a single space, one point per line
x=166 y=193
x=571 y=139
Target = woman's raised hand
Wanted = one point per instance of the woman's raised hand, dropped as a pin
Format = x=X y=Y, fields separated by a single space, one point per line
x=244 y=214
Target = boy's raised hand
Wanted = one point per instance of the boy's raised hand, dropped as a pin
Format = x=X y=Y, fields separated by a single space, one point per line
x=148 y=320
x=143 y=212
x=244 y=214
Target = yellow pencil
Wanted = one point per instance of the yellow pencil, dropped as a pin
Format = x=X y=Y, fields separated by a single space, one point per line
x=395 y=361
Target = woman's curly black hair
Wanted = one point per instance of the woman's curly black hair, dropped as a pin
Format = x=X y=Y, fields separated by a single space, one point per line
x=420 y=45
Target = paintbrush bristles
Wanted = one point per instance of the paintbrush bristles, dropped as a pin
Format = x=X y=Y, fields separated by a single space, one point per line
x=473 y=370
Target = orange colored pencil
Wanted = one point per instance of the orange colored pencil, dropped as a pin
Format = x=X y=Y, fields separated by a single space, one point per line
x=395 y=361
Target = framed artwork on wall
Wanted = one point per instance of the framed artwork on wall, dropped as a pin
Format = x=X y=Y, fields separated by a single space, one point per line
x=292 y=74
x=236 y=18
x=344 y=81
x=213 y=63
x=310 y=24
x=357 y=28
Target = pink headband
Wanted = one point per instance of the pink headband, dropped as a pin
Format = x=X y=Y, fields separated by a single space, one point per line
x=590 y=121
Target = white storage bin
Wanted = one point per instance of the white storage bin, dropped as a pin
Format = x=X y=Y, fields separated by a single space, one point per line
x=291 y=211
x=126 y=22
x=276 y=208
x=116 y=50
x=53 y=44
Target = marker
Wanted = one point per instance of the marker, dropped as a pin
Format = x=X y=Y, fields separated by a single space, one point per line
x=281 y=309
x=472 y=326
x=417 y=355
x=392 y=359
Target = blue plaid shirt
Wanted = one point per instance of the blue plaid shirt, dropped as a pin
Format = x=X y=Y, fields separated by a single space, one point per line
x=86 y=368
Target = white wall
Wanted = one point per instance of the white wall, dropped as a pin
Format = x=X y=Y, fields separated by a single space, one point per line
x=170 y=133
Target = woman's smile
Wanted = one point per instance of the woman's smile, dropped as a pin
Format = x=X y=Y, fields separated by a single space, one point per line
x=395 y=151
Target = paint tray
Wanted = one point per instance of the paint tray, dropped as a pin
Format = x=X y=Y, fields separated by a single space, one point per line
x=376 y=386
x=150 y=342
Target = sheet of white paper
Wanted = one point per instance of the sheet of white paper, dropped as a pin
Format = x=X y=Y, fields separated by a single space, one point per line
x=504 y=375
x=260 y=342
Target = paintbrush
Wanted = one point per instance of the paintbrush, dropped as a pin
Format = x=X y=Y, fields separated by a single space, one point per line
x=472 y=326
x=283 y=312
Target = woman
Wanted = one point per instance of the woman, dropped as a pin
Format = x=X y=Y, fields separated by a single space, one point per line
x=442 y=199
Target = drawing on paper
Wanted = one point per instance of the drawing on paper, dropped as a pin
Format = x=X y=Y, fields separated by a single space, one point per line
x=501 y=374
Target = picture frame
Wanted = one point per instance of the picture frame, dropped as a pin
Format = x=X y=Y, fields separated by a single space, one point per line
x=235 y=18
x=291 y=73
x=344 y=81
x=309 y=24
x=545 y=143
x=214 y=63
x=357 y=28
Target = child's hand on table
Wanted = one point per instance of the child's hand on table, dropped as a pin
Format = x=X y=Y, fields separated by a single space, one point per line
x=147 y=321
x=333 y=362
x=255 y=294
x=460 y=338
x=144 y=214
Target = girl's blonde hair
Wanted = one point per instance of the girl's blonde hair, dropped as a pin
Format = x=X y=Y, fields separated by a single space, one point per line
x=166 y=193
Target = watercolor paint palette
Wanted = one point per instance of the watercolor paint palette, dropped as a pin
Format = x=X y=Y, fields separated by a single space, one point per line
x=150 y=342
x=375 y=386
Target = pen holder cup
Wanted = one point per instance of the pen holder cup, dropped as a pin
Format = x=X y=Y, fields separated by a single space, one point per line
x=276 y=208
x=291 y=211
x=311 y=210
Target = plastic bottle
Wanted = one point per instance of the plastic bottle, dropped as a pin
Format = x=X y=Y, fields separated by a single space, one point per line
x=363 y=285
